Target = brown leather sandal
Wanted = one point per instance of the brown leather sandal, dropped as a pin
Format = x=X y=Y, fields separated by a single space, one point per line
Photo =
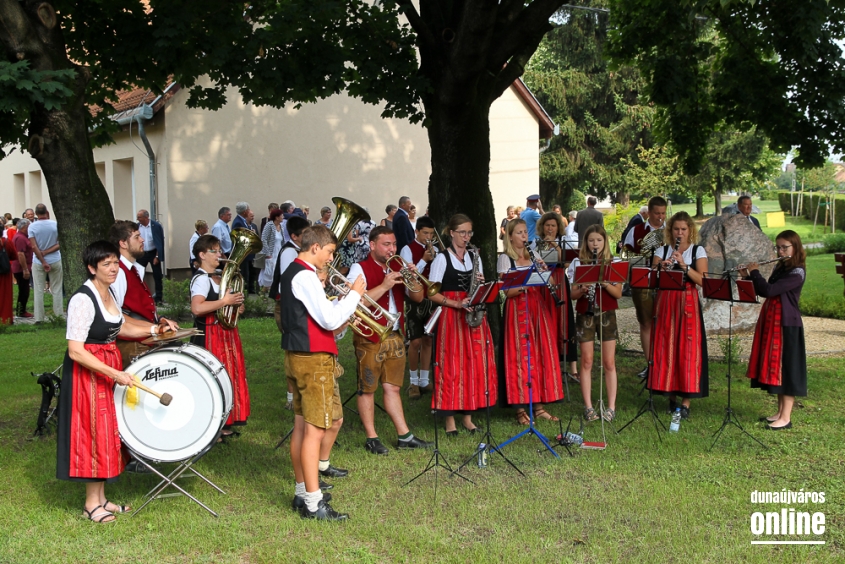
x=522 y=417
x=541 y=413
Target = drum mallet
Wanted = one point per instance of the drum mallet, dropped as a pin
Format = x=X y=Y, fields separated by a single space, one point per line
x=164 y=399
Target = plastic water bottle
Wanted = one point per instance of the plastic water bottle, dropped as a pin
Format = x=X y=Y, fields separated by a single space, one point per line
x=574 y=439
x=675 y=425
x=482 y=455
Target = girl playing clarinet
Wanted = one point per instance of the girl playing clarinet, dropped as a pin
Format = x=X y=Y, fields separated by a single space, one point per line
x=596 y=316
x=778 y=362
x=529 y=333
x=679 y=343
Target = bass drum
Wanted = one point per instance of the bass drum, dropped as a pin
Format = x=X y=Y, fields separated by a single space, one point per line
x=202 y=399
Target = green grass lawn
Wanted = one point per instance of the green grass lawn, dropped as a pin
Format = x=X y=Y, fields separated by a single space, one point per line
x=822 y=295
x=638 y=501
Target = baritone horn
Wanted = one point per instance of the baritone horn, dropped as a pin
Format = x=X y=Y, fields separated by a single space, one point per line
x=244 y=242
x=346 y=217
x=365 y=321
x=413 y=279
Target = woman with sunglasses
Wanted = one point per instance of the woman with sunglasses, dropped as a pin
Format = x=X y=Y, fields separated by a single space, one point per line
x=464 y=355
x=778 y=362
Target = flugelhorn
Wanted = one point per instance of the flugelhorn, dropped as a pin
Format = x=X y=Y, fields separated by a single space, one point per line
x=413 y=279
x=244 y=242
x=436 y=242
x=365 y=321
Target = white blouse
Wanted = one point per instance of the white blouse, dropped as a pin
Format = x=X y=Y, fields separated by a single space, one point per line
x=201 y=284
x=688 y=258
x=81 y=313
x=438 y=265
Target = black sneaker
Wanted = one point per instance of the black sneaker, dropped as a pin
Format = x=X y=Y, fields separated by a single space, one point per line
x=374 y=446
x=324 y=513
x=684 y=412
x=643 y=374
x=332 y=472
x=413 y=442
x=325 y=486
x=299 y=501
x=673 y=405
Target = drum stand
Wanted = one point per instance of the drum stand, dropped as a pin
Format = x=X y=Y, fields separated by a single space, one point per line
x=170 y=481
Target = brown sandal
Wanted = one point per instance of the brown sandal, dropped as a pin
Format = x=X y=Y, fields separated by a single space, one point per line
x=522 y=417
x=541 y=413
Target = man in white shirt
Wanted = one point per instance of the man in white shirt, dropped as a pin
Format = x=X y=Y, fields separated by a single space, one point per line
x=221 y=230
x=383 y=359
x=44 y=236
x=131 y=294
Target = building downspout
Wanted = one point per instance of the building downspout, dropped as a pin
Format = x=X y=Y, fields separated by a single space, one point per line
x=152 y=158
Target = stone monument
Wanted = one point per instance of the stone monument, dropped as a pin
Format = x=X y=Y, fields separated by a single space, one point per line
x=731 y=240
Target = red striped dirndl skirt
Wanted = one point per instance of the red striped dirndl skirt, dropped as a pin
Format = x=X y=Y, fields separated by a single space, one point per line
x=766 y=360
x=88 y=442
x=537 y=321
x=680 y=345
x=225 y=345
x=465 y=362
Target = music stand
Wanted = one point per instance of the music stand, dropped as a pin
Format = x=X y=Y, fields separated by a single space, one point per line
x=652 y=280
x=615 y=273
x=517 y=279
x=720 y=289
x=490 y=444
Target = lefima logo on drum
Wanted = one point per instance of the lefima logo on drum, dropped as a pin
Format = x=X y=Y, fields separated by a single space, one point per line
x=160 y=373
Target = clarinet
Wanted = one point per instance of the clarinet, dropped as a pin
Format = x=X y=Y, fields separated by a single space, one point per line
x=547 y=280
x=591 y=293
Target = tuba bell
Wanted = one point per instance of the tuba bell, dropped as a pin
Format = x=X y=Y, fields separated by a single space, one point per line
x=244 y=242
x=346 y=217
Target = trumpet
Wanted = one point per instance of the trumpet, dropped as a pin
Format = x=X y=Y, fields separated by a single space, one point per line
x=437 y=242
x=365 y=321
x=414 y=280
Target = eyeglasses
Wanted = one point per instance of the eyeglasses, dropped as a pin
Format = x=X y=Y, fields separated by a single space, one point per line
x=782 y=247
x=464 y=233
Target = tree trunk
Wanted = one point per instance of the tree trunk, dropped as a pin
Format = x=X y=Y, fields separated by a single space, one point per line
x=699 y=206
x=460 y=172
x=58 y=138
x=622 y=198
x=80 y=203
x=717 y=195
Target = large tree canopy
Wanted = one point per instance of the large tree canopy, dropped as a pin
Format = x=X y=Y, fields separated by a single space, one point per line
x=776 y=64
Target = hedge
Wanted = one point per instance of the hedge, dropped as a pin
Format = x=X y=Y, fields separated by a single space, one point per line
x=811 y=202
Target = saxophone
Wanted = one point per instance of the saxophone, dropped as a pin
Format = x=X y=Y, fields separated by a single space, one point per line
x=475 y=315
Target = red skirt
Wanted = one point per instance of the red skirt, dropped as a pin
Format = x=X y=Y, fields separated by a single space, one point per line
x=766 y=360
x=465 y=362
x=7 y=311
x=225 y=345
x=88 y=442
x=559 y=315
x=538 y=322
x=680 y=345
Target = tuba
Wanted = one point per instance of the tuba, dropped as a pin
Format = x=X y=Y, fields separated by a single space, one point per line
x=244 y=242
x=346 y=217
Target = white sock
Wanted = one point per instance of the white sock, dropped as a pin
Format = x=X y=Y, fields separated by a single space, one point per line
x=312 y=499
x=290 y=397
x=324 y=465
x=415 y=379
x=299 y=489
x=423 y=378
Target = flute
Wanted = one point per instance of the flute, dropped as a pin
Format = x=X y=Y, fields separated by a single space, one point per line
x=742 y=266
x=547 y=280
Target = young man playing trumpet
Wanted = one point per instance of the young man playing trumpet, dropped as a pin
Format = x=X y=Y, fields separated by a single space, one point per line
x=383 y=360
x=419 y=252
x=309 y=322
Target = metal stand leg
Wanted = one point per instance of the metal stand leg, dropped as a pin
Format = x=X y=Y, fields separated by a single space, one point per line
x=170 y=481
